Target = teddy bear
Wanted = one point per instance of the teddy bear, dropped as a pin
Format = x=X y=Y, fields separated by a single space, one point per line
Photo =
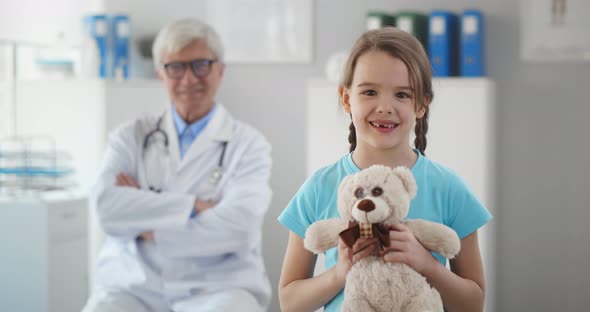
x=368 y=202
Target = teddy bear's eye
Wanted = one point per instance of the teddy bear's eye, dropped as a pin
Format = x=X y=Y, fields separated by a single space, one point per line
x=377 y=191
x=359 y=193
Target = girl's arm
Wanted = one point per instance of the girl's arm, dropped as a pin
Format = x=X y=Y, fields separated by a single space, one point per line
x=299 y=290
x=462 y=288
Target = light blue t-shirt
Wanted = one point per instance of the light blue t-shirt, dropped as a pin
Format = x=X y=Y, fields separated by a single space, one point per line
x=442 y=197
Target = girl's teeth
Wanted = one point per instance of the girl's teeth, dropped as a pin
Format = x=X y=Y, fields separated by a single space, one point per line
x=383 y=126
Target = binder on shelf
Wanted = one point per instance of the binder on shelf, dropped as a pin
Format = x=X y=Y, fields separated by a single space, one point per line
x=443 y=43
x=472 y=44
x=96 y=27
x=415 y=24
x=120 y=31
x=377 y=20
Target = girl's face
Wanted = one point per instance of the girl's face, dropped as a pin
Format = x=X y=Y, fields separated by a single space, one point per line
x=381 y=101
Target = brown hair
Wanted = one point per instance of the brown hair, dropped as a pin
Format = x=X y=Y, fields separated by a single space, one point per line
x=401 y=45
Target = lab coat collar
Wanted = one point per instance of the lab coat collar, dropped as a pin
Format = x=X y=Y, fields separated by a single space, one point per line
x=218 y=129
x=220 y=126
x=194 y=128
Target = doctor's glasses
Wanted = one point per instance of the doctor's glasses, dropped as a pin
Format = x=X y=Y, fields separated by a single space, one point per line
x=199 y=67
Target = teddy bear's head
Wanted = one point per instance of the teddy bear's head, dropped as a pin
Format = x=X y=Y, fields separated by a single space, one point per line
x=377 y=194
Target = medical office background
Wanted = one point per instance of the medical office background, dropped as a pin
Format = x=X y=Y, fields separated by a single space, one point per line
x=534 y=142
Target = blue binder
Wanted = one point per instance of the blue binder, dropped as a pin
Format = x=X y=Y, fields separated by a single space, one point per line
x=472 y=44
x=443 y=43
x=97 y=27
x=120 y=29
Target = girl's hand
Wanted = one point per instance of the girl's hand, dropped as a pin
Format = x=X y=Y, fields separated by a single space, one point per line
x=363 y=248
x=344 y=261
x=405 y=248
x=347 y=257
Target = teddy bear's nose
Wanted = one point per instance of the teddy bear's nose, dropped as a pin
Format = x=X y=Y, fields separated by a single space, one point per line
x=366 y=205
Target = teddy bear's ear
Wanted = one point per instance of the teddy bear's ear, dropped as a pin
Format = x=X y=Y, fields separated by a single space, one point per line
x=407 y=179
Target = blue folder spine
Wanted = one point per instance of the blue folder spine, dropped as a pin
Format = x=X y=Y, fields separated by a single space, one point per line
x=120 y=28
x=443 y=43
x=97 y=27
x=472 y=44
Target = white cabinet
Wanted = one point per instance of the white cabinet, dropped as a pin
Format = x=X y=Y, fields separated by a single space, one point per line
x=461 y=136
x=43 y=253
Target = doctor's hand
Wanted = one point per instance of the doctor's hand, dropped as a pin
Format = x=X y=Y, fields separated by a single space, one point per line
x=147 y=236
x=202 y=205
x=124 y=179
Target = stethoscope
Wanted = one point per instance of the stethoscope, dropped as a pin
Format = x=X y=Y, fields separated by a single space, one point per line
x=215 y=176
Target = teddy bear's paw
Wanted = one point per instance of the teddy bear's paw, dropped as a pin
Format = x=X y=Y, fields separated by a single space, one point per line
x=450 y=246
x=323 y=235
x=313 y=245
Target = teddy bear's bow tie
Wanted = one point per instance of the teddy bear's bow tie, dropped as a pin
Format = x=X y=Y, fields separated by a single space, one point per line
x=357 y=230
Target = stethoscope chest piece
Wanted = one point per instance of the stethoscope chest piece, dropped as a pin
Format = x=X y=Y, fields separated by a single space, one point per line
x=216 y=176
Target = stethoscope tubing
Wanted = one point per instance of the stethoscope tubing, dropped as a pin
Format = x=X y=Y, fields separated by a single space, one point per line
x=218 y=173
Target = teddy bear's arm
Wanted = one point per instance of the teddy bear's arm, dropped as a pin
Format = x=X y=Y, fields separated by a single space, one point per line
x=322 y=235
x=436 y=237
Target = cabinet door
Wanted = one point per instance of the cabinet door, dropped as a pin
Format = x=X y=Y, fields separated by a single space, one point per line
x=68 y=275
x=327 y=125
x=23 y=255
x=461 y=136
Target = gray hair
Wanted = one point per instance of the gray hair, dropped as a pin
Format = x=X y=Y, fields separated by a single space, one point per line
x=177 y=35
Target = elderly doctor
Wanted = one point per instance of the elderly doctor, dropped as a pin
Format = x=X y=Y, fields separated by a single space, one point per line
x=181 y=196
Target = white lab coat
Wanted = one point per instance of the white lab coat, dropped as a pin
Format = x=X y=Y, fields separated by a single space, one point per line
x=220 y=248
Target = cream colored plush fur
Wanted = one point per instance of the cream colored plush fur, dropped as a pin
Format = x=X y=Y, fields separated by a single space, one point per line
x=373 y=284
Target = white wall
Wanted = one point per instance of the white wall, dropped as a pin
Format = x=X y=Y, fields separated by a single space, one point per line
x=147 y=17
x=42 y=21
